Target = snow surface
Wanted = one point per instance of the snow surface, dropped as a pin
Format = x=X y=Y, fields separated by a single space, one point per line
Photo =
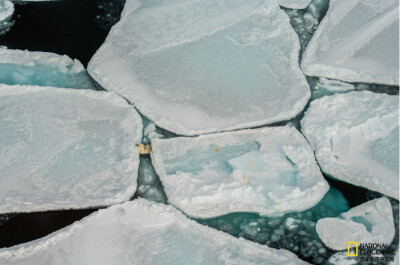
x=19 y=67
x=357 y=41
x=203 y=66
x=356 y=138
x=295 y=4
x=6 y=10
x=143 y=232
x=269 y=171
x=66 y=148
x=371 y=222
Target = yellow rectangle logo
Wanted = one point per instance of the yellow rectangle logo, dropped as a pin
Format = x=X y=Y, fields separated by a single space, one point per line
x=352 y=245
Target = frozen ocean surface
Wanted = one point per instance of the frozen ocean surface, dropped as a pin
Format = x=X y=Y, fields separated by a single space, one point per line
x=357 y=41
x=19 y=67
x=366 y=223
x=269 y=171
x=356 y=138
x=230 y=64
x=66 y=148
x=143 y=232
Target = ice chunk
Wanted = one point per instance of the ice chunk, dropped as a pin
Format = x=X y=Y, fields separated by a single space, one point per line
x=204 y=66
x=295 y=4
x=366 y=223
x=6 y=10
x=342 y=258
x=269 y=171
x=66 y=148
x=19 y=67
x=357 y=41
x=356 y=138
x=143 y=232
x=326 y=87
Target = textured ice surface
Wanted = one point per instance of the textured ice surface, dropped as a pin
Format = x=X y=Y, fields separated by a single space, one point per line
x=293 y=231
x=326 y=87
x=6 y=10
x=269 y=171
x=356 y=138
x=295 y=4
x=204 y=66
x=65 y=148
x=366 y=223
x=342 y=258
x=143 y=232
x=357 y=41
x=19 y=67
x=149 y=185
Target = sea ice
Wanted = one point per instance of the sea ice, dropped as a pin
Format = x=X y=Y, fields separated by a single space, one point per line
x=143 y=232
x=371 y=222
x=269 y=171
x=6 y=10
x=19 y=67
x=203 y=66
x=295 y=4
x=66 y=148
x=356 y=138
x=342 y=258
x=357 y=41
x=326 y=87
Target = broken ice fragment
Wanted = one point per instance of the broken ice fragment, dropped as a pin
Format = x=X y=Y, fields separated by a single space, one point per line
x=327 y=87
x=202 y=66
x=357 y=41
x=295 y=4
x=6 y=10
x=19 y=67
x=366 y=223
x=66 y=148
x=356 y=138
x=269 y=171
x=141 y=232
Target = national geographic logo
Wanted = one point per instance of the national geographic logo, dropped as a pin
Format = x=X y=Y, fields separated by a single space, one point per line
x=370 y=252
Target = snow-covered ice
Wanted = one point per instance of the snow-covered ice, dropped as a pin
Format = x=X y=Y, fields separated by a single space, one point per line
x=325 y=87
x=143 y=232
x=356 y=138
x=371 y=222
x=295 y=4
x=269 y=171
x=19 y=67
x=203 y=66
x=342 y=258
x=357 y=41
x=66 y=148
x=6 y=10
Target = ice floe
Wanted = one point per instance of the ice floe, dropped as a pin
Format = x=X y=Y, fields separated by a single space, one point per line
x=269 y=171
x=66 y=148
x=356 y=138
x=326 y=87
x=357 y=41
x=295 y=4
x=203 y=66
x=143 y=232
x=371 y=222
x=6 y=10
x=19 y=67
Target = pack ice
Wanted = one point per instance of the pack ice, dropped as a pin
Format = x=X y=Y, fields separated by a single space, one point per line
x=371 y=222
x=65 y=148
x=357 y=41
x=356 y=138
x=143 y=232
x=19 y=67
x=203 y=66
x=295 y=4
x=269 y=171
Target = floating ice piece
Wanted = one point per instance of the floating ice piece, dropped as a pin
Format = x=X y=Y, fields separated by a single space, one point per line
x=294 y=4
x=357 y=41
x=203 y=66
x=356 y=138
x=371 y=222
x=65 y=148
x=342 y=258
x=6 y=10
x=269 y=171
x=19 y=67
x=326 y=87
x=143 y=232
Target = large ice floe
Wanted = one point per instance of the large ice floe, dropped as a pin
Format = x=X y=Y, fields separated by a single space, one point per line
x=366 y=223
x=357 y=41
x=143 y=232
x=6 y=13
x=356 y=138
x=269 y=171
x=295 y=4
x=19 y=67
x=66 y=148
x=203 y=66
